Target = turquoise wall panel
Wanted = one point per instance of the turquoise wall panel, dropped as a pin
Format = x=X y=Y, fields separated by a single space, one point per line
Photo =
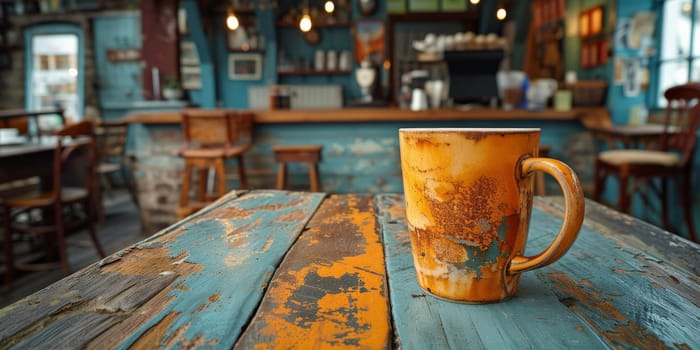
x=620 y=105
x=119 y=82
x=206 y=96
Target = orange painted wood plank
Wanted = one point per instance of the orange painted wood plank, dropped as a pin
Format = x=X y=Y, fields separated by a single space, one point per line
x=330 y=290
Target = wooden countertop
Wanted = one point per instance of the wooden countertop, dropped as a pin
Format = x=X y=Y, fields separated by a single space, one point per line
x=277 y=269
x=381 y=115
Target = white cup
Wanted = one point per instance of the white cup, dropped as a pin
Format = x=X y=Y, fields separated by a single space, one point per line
x=319 y=60
x=434 y=89
x=419 y=101
x=344 y=60
x=331 y=60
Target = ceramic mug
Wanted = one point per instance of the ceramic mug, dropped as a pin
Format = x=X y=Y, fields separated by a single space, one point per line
x=468 y=196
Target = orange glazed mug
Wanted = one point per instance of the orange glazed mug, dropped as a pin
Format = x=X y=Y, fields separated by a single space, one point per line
x=468 y=196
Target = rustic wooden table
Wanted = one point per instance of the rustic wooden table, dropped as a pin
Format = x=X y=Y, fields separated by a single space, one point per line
x=278 y=269
x=630 y=136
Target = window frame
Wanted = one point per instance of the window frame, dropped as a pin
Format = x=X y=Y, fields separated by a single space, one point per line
x=656 y=95
x=49 y=29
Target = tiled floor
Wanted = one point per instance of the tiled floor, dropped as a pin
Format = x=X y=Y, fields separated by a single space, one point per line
x=121 y=229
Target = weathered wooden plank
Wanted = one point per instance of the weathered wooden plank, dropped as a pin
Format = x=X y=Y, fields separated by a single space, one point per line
x=195 y=283
x=534 y=317
x=632 y=298
x=628 y=231
x=330 y=290
x=236 y=248
x=82 y=293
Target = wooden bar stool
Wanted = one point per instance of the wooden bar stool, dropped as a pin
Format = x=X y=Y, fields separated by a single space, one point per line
x=309 y=154
x=212 y=136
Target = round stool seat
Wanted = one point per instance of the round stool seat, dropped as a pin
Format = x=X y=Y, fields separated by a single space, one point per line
x=309 y=154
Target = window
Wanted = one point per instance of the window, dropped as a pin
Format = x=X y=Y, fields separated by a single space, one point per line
x=54 y=69
x=679 y=56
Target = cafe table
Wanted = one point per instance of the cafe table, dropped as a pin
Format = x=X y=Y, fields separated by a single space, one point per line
x=23 y=160
x=277 y=269
x=631 y=136
x=34 y=115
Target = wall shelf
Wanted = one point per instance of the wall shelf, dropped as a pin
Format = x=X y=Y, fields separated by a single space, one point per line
x=312 y=72
x=286 y=24
x=246 y=51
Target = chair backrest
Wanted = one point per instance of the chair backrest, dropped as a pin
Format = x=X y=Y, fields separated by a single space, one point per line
x=216 y=127
x=681 y=120
x=75 y=154
x=110 y=138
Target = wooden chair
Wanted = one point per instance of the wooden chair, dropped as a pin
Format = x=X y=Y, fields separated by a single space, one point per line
x=63 y=208
x=111 y=155
x=309 y=154
x=211 y=137
x=670 y=158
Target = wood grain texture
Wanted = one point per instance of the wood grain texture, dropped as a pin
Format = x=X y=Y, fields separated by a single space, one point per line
x=194 y=284
x=277 y=269
x=534 y=317
x=330 y=291
x=600 y=295
x=622 y=278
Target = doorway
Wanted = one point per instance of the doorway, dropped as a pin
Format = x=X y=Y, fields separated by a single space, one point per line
x=54 y=70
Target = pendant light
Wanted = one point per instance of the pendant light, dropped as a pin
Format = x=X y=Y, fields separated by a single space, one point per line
x=232 y=22
x=501 y=13
x=474 y=2
x=329 y=6
x=305 y=21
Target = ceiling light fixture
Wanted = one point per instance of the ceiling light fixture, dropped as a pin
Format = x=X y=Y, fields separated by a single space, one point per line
x=501 y=14
x=232 y=22
x=474 y=2
x=305 y=23
x=329 y=6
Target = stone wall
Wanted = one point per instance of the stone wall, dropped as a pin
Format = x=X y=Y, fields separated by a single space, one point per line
x=12 y=80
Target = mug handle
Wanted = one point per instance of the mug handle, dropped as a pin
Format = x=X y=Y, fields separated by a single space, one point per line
x=573 y=214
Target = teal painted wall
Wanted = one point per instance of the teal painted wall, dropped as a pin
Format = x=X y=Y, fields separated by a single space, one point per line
x=119 y=82
x=620 y=105
x=356 y=157
x=234 y=93
x=206 y=96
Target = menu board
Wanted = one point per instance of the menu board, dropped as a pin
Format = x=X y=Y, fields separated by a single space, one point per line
x=423 y=5
x=396 y=6
x=454 y=5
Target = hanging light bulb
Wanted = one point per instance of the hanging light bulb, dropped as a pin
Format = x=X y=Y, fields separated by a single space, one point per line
x=474 y=2
x=329 y=6
x=305 y=22
x=501 y=14
x=231 y=20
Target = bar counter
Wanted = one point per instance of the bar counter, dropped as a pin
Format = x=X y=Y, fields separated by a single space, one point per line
x=586 y=115
x=360 y=146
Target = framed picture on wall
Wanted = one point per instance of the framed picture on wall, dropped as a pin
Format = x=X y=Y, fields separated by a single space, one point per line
x=191 y=77
x=585 y=56
x=245 y=66
x=188 y=53
x=584 y=24
x=594 y=58
x=369 y=41
x=603 y=49
x=596 y=18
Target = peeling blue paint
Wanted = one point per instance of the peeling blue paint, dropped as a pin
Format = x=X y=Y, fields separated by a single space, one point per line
x=233 y=273
x=478 y=259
